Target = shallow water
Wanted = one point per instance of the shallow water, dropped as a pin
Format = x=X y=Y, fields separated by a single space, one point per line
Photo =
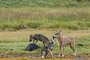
x=38 y=57
x=25 y=58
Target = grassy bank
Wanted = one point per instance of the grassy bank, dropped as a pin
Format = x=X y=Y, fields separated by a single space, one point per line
x=73 y=18
x=20 y=39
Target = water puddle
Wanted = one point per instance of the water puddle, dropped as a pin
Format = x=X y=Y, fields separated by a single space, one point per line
x=38 y=57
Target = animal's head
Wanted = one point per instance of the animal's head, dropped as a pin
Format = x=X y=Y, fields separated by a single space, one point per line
x=51 y=40
x=59 y=33
x=31 y=38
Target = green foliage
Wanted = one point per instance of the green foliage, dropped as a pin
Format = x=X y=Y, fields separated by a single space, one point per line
x=43 y=3
x=15 y=26
x=44 y=14
x=34 y=24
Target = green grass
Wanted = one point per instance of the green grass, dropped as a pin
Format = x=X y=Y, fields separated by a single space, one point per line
x=44 y=14
x=44 y=3
x=20 y=39
x=45 y=17
x=19 y=48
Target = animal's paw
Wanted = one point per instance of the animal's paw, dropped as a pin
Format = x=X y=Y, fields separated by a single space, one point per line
x=43 y=57
x=59 y=55
x=62 y=55
x=52 y=56
x=74 y=54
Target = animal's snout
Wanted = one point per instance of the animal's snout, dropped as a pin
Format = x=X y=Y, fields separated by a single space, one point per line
x=30 y=40
x=54 y=37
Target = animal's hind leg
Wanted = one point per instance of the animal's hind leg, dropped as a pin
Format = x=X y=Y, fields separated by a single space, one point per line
x=72 y=46
x=43 y=57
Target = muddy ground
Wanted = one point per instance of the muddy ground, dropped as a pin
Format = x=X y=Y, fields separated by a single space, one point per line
x=38 y=57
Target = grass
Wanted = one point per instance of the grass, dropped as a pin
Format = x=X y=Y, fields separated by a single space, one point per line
x=44 y=3
x=40 y=18
x=20 y=39
x=44 y=14
x=45 y=17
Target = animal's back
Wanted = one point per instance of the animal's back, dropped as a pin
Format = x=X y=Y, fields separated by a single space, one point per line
x=41 y=37
x=68 y=40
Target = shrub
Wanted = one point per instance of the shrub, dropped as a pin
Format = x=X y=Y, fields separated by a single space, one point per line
x=34 y=24
x=54 y=25
x=88 y=24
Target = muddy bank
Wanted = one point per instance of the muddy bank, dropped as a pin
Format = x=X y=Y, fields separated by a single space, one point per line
x=38 y=57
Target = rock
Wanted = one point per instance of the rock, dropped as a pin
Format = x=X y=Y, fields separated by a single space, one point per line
x=80 y=45
x=31 y=47
x=11 y=49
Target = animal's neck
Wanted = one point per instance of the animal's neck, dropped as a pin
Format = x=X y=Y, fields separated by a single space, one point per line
x=60 y=38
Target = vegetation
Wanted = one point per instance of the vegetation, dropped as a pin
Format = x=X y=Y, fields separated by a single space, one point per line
x=45 y=17
x=44 y=14
x=44 y=3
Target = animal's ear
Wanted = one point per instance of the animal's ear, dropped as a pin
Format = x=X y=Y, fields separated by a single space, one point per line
x=59 y=31
x=33 y=36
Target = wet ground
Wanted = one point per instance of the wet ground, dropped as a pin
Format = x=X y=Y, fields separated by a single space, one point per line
x=38 y=57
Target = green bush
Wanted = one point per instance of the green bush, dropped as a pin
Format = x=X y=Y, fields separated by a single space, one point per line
x=73 y=27
x=42 y=3
x=10 y=26
x=34 y=24
x=54 y=25
x=88 y=24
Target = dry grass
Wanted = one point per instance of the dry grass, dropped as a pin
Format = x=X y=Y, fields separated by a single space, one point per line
x=25 y=14
x=23 y=35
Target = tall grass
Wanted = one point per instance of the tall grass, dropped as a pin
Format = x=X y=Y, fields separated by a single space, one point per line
x=67 y=18
x=44 y=3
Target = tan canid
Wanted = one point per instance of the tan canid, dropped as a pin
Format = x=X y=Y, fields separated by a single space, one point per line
x=64 y=41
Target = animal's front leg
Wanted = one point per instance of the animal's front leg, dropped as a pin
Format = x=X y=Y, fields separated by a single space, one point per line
x=33 y=41
x=59 y=50
x=63 y=52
